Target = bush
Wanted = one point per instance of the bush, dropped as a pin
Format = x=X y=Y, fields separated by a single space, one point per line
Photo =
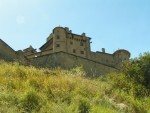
x=30 y=101
x=84 y=106
x=139 y=70
x=125 y=83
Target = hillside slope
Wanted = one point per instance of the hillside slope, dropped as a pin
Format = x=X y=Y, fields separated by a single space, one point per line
x=27 y=89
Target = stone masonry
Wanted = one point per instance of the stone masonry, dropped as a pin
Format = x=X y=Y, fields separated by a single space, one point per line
x=67 y=50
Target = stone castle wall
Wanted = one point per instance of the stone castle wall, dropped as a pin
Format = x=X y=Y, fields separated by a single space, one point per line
x=6 y=52
x=68 y=61
x=67 y=50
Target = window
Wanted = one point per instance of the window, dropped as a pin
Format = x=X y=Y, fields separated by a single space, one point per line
x=58 y=37
x=74 y=51
x=82 y=52
x=57 y=45
x=81 y=43
x=32 y=51
x=71 y=42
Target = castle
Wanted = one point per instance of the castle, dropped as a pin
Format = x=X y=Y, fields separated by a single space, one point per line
x=67 y=50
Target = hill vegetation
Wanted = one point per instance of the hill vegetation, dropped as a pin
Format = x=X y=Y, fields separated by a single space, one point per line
x=31 y=90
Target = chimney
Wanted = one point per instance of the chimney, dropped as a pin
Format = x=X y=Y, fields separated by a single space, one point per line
x=70 y=31
x=103 y=50
x=83 y=34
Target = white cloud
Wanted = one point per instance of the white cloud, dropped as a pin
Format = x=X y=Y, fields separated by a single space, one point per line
x=20 y=19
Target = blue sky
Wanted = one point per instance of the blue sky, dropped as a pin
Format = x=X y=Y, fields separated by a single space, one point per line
x=112 y=24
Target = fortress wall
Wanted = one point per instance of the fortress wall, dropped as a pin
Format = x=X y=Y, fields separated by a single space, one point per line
x=68 y=61
x=6 y=53
x=39 y=54
x=50 y=45
x=103 y=58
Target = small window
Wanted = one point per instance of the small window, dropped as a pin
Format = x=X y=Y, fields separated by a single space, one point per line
x=71 y=43
x=57 y=45
x=74 y=51
x=58 y=37
x=82 y=52
x=81 y=43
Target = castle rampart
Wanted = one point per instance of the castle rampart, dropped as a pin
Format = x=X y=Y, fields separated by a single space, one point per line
x=67 y=50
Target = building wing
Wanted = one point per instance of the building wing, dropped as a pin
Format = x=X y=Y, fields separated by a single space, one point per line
x=6 y=52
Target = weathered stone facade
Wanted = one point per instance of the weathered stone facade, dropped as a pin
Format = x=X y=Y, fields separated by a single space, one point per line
x=6 y=52
x=69 y=61
x=67 y=50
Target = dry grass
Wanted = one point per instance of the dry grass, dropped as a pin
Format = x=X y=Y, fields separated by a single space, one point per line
x=27 y=89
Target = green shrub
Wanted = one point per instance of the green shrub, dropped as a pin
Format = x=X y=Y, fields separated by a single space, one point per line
x=30 y=101
x=11 y=85
x=84 y=106
x=139 y=69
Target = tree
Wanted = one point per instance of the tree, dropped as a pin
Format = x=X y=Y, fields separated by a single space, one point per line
x=139 y=69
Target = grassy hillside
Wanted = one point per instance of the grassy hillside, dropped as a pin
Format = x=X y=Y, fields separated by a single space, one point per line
x=27 y=89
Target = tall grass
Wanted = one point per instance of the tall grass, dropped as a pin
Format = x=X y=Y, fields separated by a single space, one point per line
x=30 y=90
